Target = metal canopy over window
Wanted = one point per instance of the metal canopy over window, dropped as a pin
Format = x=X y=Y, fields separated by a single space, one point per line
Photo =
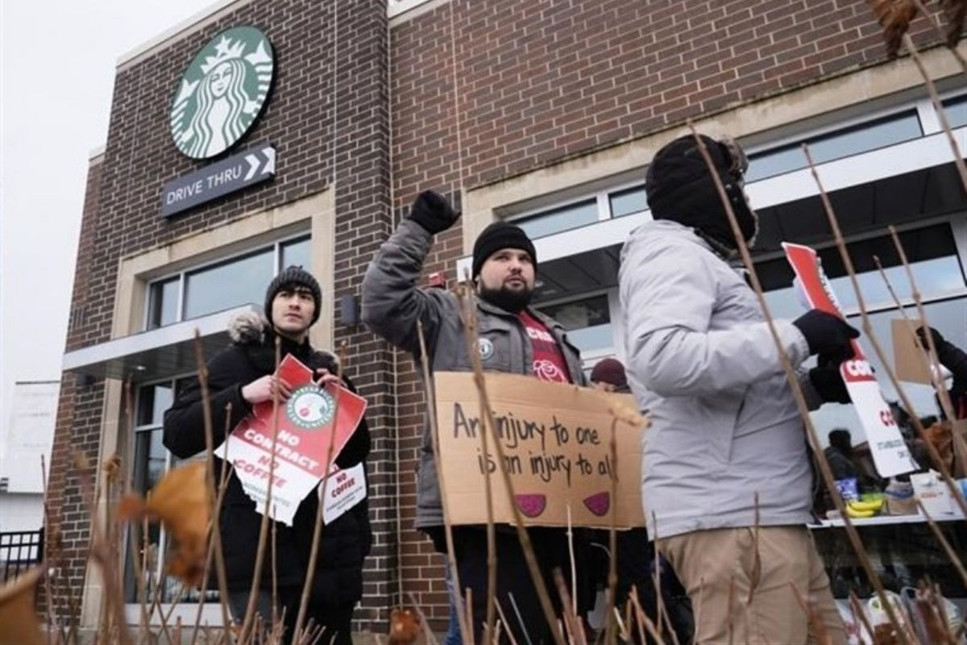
x=155 y=354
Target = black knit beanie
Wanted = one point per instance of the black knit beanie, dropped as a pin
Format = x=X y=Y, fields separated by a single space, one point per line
x=680 y=189
x=500 y=235
x=293 y=276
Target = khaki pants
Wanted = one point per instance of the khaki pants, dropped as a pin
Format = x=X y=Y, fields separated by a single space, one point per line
x=742 y=594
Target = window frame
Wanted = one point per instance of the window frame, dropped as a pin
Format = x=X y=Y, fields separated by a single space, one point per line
x=601 y=197
x=182 y=274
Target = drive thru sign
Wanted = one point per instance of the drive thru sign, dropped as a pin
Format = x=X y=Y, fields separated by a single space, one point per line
x=890 y=453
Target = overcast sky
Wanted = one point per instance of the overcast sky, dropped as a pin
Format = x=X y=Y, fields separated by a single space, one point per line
x=56 y=80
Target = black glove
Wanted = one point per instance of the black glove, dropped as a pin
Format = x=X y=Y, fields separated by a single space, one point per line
x=827 y=334
x=949 y=355
x=433 y=212
x=938 y=340
x=827 y=380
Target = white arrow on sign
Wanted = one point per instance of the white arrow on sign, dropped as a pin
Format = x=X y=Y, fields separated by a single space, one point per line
x=254 y=162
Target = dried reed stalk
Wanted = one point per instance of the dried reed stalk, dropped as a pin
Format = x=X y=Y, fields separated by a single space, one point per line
x=824 y=465
x=103 y=556
x=790 y=373
x=210 y=481
x=644 y=623
x=470 y=336
x=572 y=623
x=959 y=449
x=46 y=560
x=430 y=395
x=430 y=638
x=247 y=624
x=935 y=98
x=610 y=632
x=522 y=534
x=859 y=614
x=317 y=528
x=820 y=635
x=935 y=457
x=944 y=543
x=940 y=33
x=503 y=619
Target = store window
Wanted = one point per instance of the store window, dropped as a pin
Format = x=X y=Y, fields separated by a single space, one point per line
x=559 y=219
x=939 y=275
x=151 y=460
x=628 y=202
x=222 y=285
x=587 y=321
x=931 y=252
x=599 y=207
x=955 y=110
x=844 y=142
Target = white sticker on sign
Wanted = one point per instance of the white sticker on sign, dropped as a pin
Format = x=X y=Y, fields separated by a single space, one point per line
x=342 y=490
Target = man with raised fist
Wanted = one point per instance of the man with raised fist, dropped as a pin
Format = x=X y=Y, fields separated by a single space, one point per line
x=514 y=338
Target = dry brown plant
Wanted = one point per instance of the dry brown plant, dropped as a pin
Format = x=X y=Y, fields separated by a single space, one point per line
x=18 y=618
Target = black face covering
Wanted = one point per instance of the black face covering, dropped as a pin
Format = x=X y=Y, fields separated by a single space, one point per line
x=680 y=189
x=511 y=301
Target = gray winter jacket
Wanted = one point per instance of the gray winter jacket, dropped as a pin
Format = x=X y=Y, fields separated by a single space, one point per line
x=702 y=361
x=392 y=304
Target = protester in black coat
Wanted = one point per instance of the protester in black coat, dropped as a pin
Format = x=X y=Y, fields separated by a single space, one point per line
x=955 y=360
x=239 y=377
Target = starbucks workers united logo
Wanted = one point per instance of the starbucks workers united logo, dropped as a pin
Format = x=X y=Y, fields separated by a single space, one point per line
x=310 y=407
x=222 y=92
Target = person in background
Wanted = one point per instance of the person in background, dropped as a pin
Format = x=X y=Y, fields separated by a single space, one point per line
x=839 y=455
x=635 y=559
x=955 y=360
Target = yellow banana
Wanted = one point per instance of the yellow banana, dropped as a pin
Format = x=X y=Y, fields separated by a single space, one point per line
x=873 y=505
x=852 y=512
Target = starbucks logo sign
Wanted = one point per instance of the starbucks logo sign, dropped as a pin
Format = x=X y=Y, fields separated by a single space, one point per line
x=222 y=92
x=310 y=407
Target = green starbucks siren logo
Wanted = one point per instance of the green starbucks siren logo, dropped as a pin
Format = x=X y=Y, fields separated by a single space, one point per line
x=222 y=92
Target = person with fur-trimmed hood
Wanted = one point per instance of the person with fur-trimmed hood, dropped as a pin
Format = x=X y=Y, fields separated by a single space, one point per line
x=726 y=471
x=239 y=377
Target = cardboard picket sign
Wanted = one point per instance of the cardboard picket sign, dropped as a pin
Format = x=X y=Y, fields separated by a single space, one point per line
x=556 y=440
x=908 y=358
x=891 y=456
x=307 y=422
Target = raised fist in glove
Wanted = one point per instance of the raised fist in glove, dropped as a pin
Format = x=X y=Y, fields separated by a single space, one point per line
x=949 y=355
x=827 y=334
x=938 y=339
x=828 y=381
x=433 y=212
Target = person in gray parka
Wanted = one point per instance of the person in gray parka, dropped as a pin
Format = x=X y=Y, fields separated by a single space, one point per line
x=513 y=337
x=726 y=471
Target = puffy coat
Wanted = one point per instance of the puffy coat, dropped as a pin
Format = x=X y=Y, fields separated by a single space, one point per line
x=345 y=542
x=702 y=361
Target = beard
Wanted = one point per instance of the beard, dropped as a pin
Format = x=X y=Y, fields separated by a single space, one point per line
x=506 y=299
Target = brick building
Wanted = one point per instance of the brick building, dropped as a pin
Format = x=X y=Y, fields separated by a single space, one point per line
x=542 y=112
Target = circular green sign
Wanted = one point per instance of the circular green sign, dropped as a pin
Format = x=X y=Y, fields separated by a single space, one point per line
x=310 y=407
x=222 y=92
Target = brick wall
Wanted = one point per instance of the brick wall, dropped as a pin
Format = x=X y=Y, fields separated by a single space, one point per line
x=529 y=84
x=77 y=425
x=318 y=101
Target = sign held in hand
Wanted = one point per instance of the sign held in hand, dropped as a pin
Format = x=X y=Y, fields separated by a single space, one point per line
x=890 y=453
x=298 y=442
x=556 y=442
